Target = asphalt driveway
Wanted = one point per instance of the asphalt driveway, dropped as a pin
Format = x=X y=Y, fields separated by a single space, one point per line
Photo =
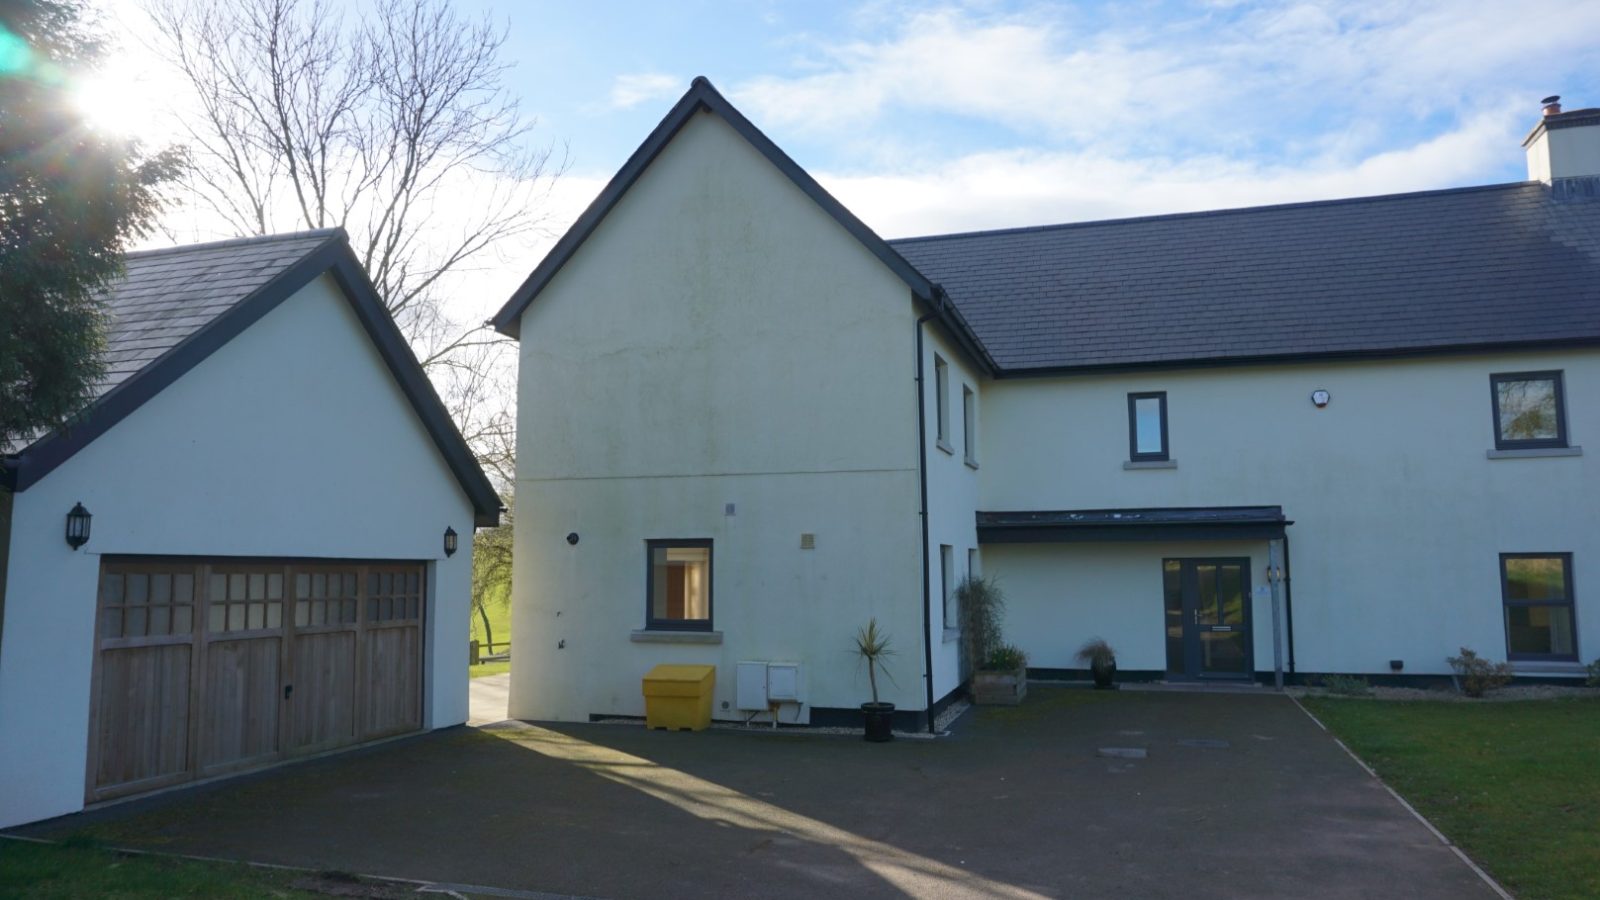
x=1236 y=796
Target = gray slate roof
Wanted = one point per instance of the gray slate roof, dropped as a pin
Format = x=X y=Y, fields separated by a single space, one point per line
x=1496 y=265
x=167 y=295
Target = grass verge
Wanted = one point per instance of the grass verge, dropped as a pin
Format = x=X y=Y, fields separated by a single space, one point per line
x=80 y=869
x=1516 y=785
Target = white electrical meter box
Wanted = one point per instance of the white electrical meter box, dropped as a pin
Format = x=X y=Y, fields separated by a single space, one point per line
x=783 y=682
x=750 y=685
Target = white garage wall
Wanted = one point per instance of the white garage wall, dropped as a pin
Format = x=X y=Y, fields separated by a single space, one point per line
x=291 y=440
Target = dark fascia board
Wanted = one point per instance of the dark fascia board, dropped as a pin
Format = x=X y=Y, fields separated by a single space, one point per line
x=333 y=256
x=1056 y=534
x=1280 y=359
x=702 y=96
x=1141 y=524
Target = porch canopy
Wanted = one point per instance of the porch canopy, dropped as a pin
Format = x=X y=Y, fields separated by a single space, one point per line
x=1191 y=523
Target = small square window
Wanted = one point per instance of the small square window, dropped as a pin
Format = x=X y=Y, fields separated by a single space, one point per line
x=1536 y=590
x=678 y=585
x=1529 y=410
x=1147 y=427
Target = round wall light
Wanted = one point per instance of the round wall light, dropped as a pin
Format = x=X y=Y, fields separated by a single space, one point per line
x=1320 y=398
x=572 y=537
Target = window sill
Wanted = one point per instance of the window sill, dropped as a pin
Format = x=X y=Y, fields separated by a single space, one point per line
x=646 y=636
x=945 y=446
x=1556 y=668
x=1534 y=453
x=1150 y=464
x=971 y=463
x=952 y=634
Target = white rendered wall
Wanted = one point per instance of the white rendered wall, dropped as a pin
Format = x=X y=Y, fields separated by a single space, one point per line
x=717 y=340
x=952 y=498
x=1574 y=151
x=291 y=440
x=1399 y=516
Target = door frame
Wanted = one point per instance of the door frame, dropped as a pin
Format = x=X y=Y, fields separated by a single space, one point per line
x=1191 y=641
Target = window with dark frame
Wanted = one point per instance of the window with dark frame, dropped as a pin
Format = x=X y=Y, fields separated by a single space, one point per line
x=1147 y=427
x=1536 y=590
x=947 y=577
x=941 y=379
x=678 y=585
x=1530 y=410
x=969 y=425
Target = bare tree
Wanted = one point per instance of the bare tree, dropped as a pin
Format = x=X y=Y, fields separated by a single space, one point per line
x=396 y=125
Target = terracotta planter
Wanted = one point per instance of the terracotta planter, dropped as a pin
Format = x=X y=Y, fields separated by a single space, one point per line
x=999 y=688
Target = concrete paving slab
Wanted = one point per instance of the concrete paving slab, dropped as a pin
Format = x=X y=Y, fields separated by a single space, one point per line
x=488 y=698
x=1015 y=803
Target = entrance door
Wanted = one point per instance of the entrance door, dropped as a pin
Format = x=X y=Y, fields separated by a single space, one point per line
x=1208 y=617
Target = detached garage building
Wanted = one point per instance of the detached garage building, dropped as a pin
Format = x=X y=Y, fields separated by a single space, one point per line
x=266 y=482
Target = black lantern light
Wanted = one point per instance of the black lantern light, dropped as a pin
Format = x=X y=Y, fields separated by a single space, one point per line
x=449 y=542
x=78 y=526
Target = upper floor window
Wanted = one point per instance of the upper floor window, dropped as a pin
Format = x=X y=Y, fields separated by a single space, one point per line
x=1147 y=427
x=678 y=592
x=941 y=379
x=969 y=425
x=1530 y=410
x=1536 y=589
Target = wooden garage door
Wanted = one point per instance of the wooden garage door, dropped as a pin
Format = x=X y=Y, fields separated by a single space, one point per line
x=204 y=667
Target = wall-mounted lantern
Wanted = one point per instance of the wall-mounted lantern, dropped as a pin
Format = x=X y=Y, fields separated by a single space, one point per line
x=78 y=526
x=449 y=542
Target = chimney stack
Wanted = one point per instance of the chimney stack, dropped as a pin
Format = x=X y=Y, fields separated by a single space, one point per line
x=1564 y=147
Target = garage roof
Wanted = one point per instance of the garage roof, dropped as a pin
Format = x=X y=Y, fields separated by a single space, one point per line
x=174 y=307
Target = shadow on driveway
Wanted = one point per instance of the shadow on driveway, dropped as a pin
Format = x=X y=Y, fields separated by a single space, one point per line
x=1237 y=796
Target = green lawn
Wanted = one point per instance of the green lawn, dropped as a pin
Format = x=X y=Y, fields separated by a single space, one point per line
x=493 y=668
x=1516 y=785
x=499 y=621
x=47 y=871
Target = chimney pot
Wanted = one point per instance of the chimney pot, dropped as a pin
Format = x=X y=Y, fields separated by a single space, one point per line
x=1551 y=104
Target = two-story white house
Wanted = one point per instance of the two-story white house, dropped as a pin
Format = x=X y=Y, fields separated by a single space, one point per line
x=1331 y=437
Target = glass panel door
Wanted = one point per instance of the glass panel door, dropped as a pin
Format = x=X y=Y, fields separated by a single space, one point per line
x=1215 y=620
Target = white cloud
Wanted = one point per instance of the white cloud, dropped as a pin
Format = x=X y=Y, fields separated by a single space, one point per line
x=628 y=91
x=1232 y=80
x=1022 y=187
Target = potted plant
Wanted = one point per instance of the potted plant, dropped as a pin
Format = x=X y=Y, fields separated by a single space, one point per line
x=999 y=670
x=872 y=646
x=1003 y=677
x=1102 y=662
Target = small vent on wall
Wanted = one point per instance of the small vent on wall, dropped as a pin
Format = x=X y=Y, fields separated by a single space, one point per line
x=808 y=541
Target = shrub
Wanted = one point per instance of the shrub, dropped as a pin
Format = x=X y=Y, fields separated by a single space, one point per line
x=1347 y=686
x=1007 y=658
x=1477 y=674
x=980 y=606
x=1594 y=674
x=1096 y=652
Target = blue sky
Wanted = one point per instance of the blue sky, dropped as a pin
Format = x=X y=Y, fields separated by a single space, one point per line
x=927 y=117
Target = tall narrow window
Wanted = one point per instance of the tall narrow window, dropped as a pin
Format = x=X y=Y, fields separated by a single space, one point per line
x=969 y=426
x=947 y=572
x=1529 y=410
x=974 y=570
x=1147 y=427
x=941 y=379
x=678 y=589
x=1536 y=589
